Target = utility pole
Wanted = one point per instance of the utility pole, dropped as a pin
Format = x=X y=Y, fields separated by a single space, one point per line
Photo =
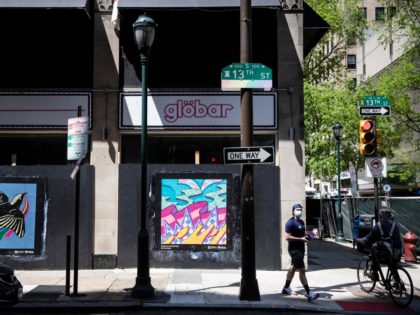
x=249 y=285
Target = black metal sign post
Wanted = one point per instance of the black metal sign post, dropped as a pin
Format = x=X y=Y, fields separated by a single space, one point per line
x=375 y=179
x=249 y=285
x=375 y=183
x=76 y=175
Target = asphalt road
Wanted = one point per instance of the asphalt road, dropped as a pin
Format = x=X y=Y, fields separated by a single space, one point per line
x=181 y=312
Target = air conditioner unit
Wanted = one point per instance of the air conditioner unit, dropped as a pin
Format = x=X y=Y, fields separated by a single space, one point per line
x=105 y=5
x=291 y=5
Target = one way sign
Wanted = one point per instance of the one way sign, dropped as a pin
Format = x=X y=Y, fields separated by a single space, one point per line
x=375 y=111
x=248 y=155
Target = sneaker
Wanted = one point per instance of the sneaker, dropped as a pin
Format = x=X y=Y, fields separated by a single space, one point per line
x=373 y=276
x=287 y=291
x=312 y=296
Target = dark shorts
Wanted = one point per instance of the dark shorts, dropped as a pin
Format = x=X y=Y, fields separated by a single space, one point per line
x=297 y=259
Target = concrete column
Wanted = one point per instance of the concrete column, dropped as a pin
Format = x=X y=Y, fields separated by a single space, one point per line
x=105 y=139
x=290 y=108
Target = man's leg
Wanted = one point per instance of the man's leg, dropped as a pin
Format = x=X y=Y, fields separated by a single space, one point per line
x=303 y=280
x=289 y=277
x=300 y=265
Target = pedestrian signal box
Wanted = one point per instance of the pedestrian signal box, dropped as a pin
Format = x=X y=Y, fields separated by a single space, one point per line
x=367 y=143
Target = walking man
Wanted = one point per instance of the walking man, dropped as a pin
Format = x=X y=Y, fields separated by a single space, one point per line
x=296 y=236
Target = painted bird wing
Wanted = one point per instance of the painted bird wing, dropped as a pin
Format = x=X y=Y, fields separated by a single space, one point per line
x=13 y=220
x=3 y=197
x=4 y=203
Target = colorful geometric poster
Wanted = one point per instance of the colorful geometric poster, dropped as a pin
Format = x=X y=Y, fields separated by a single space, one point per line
x=22 y=206
x=193 y=211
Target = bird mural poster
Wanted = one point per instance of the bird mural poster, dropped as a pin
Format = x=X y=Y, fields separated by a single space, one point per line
x=20 y=211
x=193 y=211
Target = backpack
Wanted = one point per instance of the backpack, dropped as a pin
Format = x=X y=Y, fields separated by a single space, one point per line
x=385 y=247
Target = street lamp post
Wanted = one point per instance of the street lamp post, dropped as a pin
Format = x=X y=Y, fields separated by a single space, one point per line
x=338 y=131
x=144 y=34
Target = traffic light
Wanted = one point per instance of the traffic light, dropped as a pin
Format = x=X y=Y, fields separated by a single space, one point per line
x=379 y=148
x=367 y=143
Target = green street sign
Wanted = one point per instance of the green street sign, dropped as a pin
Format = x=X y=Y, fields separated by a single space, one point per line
x=238 y=76
x=377 y=101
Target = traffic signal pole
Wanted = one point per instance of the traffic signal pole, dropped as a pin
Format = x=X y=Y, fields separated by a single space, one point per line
x=370 y=136
x=369 y=141
x=249 y=285
x=375 y=181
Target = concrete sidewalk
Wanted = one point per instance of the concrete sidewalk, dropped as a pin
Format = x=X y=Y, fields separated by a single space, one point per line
x=332 y=273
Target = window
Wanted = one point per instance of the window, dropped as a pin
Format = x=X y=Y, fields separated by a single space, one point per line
x=379 y=13
x=183 y=149
x=351 y=40
x=391 y=49
x=364 y=12
x=55 y=46
x=392 y=11
x=352 y=83
x=191 y=51
x=351 y=61
x=33 y=150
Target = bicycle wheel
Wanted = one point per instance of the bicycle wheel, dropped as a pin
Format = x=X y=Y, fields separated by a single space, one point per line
x=401 y=287
x=365 y=275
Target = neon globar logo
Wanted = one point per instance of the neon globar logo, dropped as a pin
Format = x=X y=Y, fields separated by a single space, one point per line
x=195 y=109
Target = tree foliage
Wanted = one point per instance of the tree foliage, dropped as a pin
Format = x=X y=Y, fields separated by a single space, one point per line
x=404 y=21
x=328 y=103
x=346 y=20
x=401 y=84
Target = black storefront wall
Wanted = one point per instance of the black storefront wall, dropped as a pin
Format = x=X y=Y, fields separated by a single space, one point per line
x=267 y=218
x=46 y=49
x=60 y=213
x=60 y=191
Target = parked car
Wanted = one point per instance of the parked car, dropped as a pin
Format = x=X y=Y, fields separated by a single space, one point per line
x=11 y=290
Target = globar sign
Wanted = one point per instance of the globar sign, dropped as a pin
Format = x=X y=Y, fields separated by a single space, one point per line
x=196 y=110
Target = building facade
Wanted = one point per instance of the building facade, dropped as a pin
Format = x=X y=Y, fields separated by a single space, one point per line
x=61 y=56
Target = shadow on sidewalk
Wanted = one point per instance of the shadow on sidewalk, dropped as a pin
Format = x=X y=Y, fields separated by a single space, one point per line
x=323 y=254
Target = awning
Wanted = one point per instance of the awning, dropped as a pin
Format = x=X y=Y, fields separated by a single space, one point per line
x=314 y=27
x=43 y=4
x=130 y=4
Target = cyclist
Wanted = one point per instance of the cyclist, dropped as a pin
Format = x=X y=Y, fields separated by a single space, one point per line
x=388 y=232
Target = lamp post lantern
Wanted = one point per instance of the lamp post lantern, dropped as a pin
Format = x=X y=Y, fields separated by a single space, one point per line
x=338 y=132
x=144 y=29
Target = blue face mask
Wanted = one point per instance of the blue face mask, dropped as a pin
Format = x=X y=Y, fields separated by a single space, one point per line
x=298 y=213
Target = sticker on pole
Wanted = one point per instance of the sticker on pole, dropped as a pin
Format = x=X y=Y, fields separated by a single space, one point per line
x=387 y=188
x=375 y=167
x=77 y=137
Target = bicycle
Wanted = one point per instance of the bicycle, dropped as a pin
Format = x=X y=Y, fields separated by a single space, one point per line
x=397 y=280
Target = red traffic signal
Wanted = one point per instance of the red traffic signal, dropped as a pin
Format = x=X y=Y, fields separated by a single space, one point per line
x=367 y=143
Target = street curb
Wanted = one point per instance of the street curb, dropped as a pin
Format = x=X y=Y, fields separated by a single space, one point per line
x=264 y=307
x=33 y=308
x=83 y=308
